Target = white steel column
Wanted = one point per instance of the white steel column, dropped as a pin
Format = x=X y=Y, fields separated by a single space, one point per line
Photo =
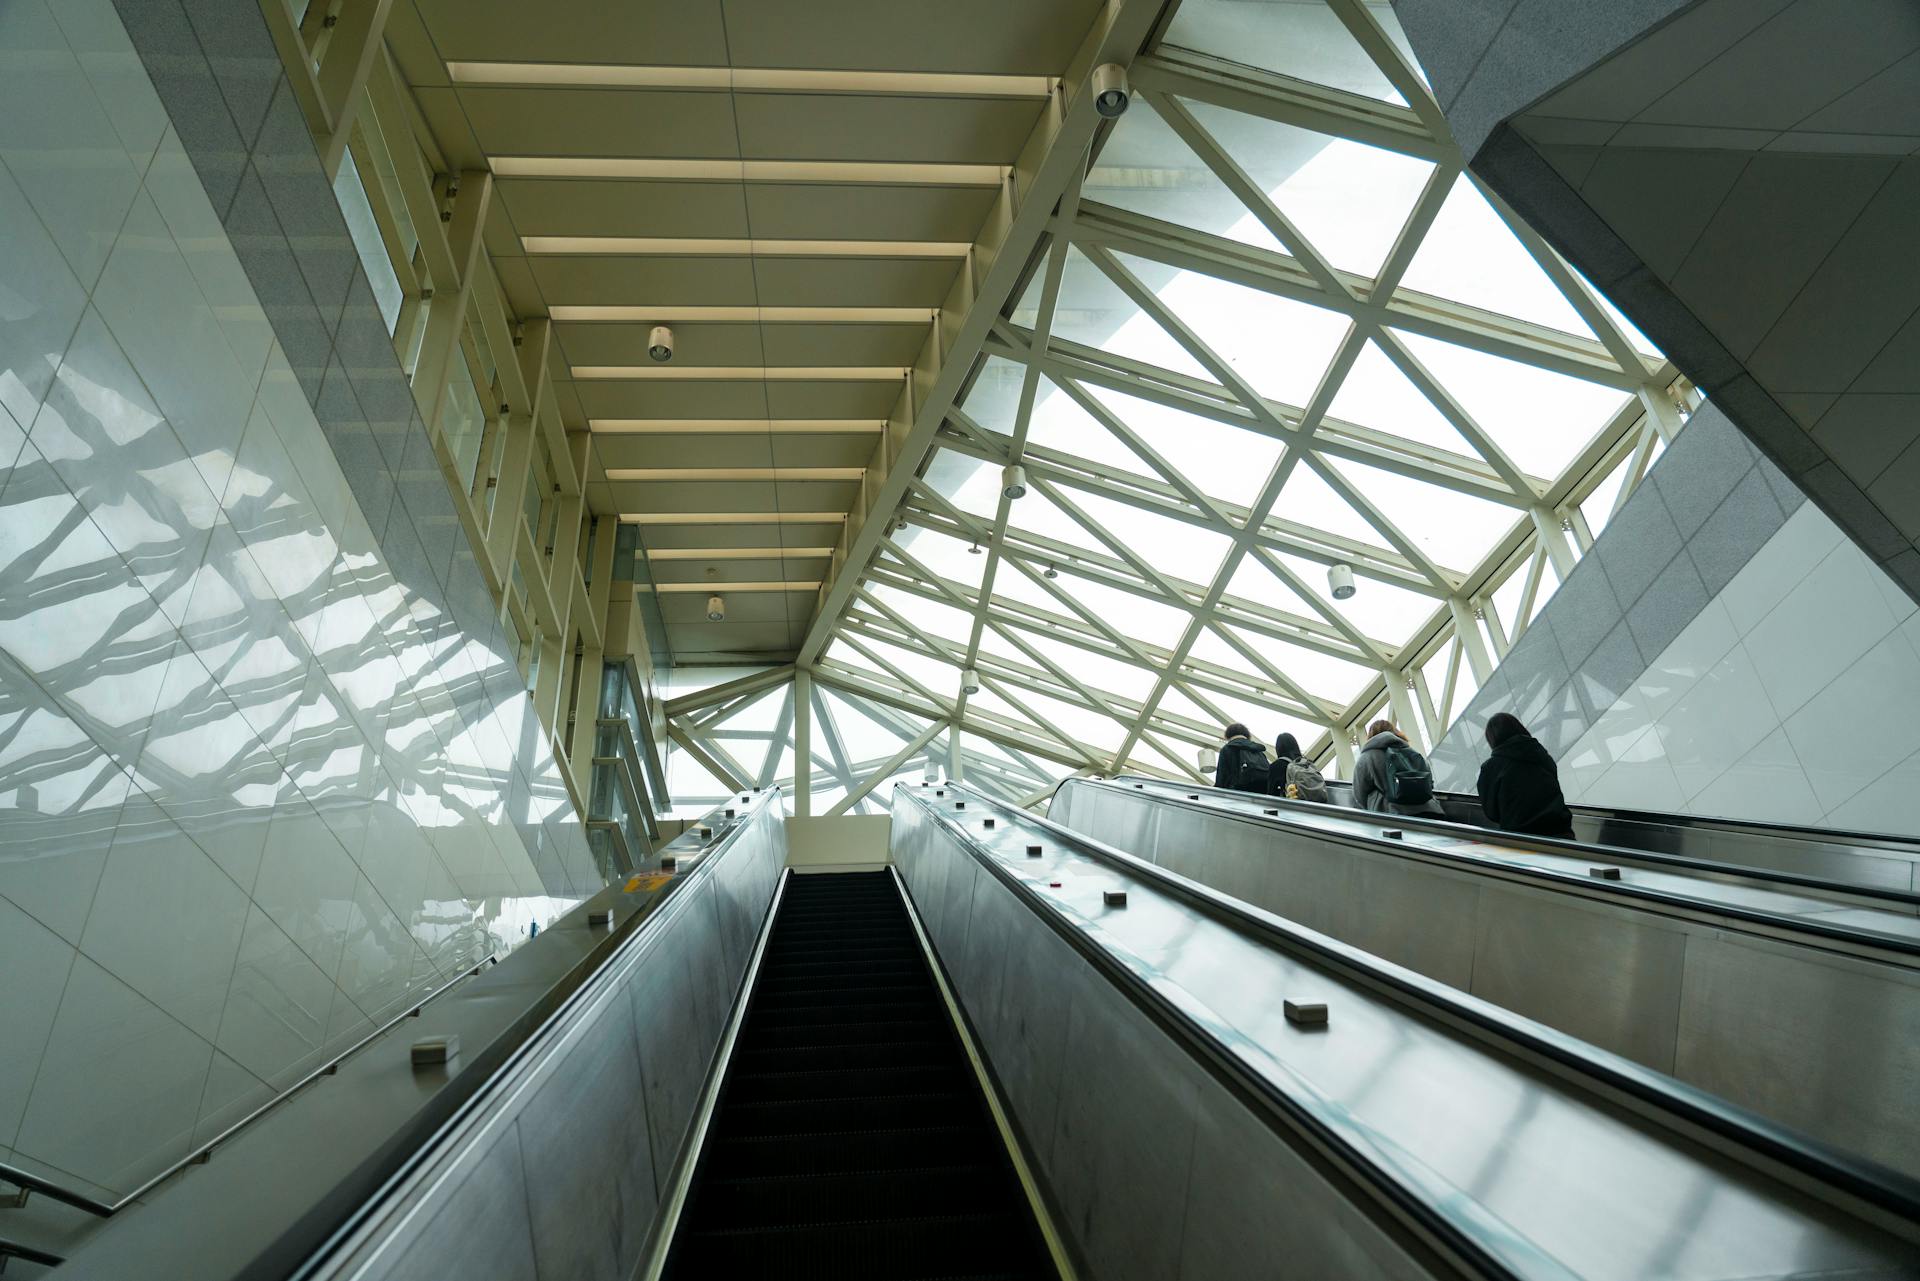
x=802 y=743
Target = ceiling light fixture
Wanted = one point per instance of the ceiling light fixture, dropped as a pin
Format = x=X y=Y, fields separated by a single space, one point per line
x=734 y=247
x=1013 y=481
x=973 y=548
x=735 y=473
x=732 y=426
x=716 y=609
x=883 y=172
x=1111 y=95
x=737 y=553
x=763 y=585
x=1051 y=572
x=660 y=344
x=585 y=313
x=745 y=373
x=751 y=79
x=732 y=518
x=969 y=681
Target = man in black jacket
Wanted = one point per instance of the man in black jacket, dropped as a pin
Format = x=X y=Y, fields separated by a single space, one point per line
x=1520 y=784
x=1242 y=763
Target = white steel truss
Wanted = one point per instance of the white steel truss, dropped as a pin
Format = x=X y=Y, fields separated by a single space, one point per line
x=1271 y=326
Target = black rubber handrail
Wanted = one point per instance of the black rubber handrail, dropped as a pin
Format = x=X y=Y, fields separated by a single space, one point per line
x=1876 y=1185
x=1450 y=827
x=55 y=1191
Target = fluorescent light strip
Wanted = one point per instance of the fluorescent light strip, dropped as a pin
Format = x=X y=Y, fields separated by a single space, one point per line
x=732 y=518
x=735 y=473
x=716 y=588
x=731 y=426
x=746 y=373
x=754 y=315
x=909 y=173
x=716 y=247
x=739 y=553
x=576 y=75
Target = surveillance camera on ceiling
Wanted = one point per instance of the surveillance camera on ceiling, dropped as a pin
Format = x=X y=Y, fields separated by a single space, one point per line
x=660 y=344
x=1110 y=92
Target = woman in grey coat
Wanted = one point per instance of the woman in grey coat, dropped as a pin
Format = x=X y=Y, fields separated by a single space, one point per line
x=1370 y=774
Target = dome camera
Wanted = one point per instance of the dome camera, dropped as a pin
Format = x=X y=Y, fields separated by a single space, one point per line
x=1110 y=92
x=660 y=344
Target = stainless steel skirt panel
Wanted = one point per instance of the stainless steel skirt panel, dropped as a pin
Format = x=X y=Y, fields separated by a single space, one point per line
x=1785 y=1023
x=562 y=1172
x=1159 y=1170
x=1155 y=1170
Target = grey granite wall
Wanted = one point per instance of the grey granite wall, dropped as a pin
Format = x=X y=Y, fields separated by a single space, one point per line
x=220 y=78
x=1708 y=505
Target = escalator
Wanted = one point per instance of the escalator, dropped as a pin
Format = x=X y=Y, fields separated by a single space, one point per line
x=851 y=1139
x=1729 y=977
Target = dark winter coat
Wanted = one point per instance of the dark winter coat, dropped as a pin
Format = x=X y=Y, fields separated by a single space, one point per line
x=1370 y=781
x=1520 y=789
x=1239 y=758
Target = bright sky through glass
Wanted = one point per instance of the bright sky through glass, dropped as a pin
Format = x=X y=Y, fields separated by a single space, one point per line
x=1114 y=556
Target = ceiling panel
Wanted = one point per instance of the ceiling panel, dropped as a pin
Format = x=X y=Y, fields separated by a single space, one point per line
x=656 y=123
x=709 y=282
x=617 y=343
x=610 y=399
x=1008 y=36
x=720 y=572
x=625 y=207
x=823 y=211
x=790 y=535
x=670 y=32
x=733 y=495
x=794 y=126
x=735 y=449
x=625 y=344
x=854 y=282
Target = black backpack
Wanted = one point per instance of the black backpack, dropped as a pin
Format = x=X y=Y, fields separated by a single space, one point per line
x=1248 y=770
x=1409 y=778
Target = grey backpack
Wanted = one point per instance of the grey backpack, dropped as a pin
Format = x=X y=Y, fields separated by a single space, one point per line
x=1307 y=782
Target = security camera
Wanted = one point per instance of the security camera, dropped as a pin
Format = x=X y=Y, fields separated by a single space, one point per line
x=1340 y=580
x=716 y=610
x=1110 y=92
x=660 y=344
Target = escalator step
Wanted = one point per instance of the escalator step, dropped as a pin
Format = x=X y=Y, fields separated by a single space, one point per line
x=819 y=1199
x=850 y=1140
x=961 y=1245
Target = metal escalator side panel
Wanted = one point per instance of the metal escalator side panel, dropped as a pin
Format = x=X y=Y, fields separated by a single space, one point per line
x=1416 y=1104
x=1727 y=1000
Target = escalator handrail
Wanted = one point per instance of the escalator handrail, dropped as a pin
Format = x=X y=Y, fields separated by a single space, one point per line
x=1546 y=844
x=1662 y=1098
x=536 y=1042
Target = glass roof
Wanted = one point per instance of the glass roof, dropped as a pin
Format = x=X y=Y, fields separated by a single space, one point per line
x=1273 y=348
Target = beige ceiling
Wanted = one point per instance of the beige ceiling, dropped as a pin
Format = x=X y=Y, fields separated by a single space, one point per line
x=833 y=382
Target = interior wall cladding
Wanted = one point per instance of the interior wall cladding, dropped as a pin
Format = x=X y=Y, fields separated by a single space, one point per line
x=1725 y=650
x=265 y=774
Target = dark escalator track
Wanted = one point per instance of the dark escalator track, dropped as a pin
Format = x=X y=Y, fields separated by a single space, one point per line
x=851 y=1139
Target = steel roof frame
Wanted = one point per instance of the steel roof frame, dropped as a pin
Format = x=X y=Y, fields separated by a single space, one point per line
x=850 y=615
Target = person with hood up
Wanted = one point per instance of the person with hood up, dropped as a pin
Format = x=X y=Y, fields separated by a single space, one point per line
x=1292 y=775
x=1242 y=763
x=1390 y=777
x=1520 y=784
